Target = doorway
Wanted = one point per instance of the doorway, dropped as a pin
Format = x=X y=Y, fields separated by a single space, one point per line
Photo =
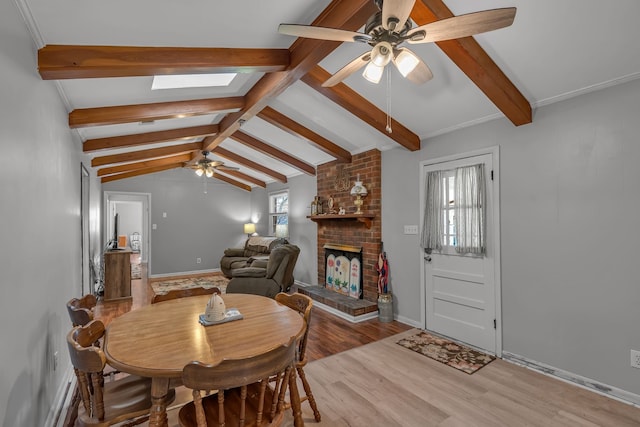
x=133 y=217
x=461 y=292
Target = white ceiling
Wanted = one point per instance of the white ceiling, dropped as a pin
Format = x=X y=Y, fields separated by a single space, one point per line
x=553 y=50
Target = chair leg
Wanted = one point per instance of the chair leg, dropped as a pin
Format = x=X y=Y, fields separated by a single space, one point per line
x=307 y=391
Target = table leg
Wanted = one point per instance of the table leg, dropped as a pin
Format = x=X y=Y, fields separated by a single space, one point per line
x=159 y=392
x=294 y=396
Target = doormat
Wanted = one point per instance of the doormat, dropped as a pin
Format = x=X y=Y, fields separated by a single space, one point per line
x=456 y=355
x=207 y=282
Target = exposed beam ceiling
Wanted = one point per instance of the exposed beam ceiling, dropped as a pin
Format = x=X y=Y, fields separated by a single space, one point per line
x=82 y=62
x=305 y=54
x=250 y=164
x=283 y=122
x=347 y=98
x=148 y=138
x=283 y=68
x=467 y=54
x=133 y=156
x=273 y=152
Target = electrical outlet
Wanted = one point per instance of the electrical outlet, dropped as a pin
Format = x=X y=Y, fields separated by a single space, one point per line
x=410 y=229
x=635 y=359
x=198 y=260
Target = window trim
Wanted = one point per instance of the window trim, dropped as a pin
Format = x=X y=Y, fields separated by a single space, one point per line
x=272 y=213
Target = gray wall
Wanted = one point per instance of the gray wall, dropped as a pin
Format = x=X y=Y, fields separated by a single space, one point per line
x=40 y=255
x=197 y=225
x=302 y=231
x=569 y=232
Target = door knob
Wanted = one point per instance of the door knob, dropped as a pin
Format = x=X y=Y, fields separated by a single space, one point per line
x=427 y=258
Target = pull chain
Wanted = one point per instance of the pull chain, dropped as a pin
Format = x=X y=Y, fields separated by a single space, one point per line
x=389 y=130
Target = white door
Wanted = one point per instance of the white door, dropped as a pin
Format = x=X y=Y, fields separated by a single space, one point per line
x=461 y=292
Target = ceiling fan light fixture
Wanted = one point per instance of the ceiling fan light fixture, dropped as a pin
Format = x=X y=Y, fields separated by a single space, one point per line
x=199 y=172
x=209 y=172
x=373 y=72
x=406 y=62
x=381 y=54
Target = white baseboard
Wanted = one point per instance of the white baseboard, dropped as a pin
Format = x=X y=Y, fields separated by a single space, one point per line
x=184 y=273
x=410 y=322
x=575 y=379
x=57 y=412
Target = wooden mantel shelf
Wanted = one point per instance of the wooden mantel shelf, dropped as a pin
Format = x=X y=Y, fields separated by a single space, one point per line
x=364 y=218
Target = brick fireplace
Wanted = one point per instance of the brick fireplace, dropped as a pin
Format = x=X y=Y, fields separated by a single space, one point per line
x=336 y=179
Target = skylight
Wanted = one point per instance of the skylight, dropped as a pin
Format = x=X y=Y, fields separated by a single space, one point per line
x=191 y=80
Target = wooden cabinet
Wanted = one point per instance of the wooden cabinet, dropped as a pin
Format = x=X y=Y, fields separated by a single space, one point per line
x=117 y=274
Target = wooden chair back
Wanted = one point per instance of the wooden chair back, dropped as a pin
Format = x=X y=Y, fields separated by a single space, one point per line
x=183 y=293
x=103 y=403
x=244 y=393
x=303 y=305
x=81 y=309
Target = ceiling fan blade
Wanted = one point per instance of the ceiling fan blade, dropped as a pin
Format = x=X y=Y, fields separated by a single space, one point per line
x=227 y=168
x=396 y=9
x=348 y=69
x=420 y=72
x=322 y=33
x=462 y=25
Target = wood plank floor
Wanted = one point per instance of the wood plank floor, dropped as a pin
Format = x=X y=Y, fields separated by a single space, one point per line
x=360 y=377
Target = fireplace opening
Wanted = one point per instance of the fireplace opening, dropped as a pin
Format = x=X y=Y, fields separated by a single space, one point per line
x=343 y=269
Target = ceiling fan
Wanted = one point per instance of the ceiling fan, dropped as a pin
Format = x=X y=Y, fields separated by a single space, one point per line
x=389 y=28
x=207 y=167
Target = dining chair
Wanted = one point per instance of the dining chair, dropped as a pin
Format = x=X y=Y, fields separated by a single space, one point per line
x=182 y=293
x=244 y=394
x=81 y=309
x=303 y=305
x=104 y=403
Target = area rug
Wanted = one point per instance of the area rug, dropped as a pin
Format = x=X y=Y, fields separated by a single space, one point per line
x=164 y=286
x=448 y=352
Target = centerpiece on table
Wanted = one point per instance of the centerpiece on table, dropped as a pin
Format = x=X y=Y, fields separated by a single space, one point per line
x=216 y=312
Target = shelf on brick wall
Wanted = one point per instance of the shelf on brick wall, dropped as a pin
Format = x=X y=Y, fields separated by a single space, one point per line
x=364 y=218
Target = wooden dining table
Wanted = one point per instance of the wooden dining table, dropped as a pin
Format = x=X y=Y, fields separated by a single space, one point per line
x=158 y=340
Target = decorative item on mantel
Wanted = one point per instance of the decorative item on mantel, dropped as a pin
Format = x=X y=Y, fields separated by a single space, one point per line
x=385 y=301
x=342 y=181
x=359 y=191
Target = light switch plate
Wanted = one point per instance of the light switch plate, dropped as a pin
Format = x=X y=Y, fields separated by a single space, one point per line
x=410 y=229
x=154 y=226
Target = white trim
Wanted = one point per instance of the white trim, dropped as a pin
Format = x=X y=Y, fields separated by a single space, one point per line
x=184 y=273
x=345 y=316
x=574 y=379
x=57 y=413
x=495 y=153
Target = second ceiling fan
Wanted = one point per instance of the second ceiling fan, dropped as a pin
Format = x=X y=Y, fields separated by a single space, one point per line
x=389 y=28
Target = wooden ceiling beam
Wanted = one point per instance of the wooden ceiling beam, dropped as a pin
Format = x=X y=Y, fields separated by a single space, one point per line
x=244 y=177
x=351 y=101
x=134 y=156
x=82 y=62
x=294 y=128
x=304 y=55
x=127 y=167
x=467 y=54
x=232 y=181
x=99 y=116
x=138 y=172
x=250 y=164
x=273 y=152
x=148 y=138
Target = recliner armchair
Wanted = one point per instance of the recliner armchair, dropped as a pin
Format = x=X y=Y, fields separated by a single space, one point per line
x=266 y=278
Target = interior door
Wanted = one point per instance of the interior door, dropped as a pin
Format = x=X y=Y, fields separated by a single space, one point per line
x=460 y=289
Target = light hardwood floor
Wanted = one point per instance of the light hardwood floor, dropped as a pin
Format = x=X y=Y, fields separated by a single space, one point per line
x=361 y=377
